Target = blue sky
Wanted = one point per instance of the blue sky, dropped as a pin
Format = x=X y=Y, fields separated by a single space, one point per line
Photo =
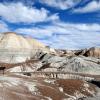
x=66 y=24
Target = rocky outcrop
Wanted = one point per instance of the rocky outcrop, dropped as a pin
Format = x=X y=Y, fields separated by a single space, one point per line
x=62 y=53
x=53 y=63
x=80 y=64
x=16 y=48
x=12 y=46
x=93 y=52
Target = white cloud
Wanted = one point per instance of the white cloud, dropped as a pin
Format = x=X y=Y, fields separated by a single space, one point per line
x=17 y=12
x=90 y=7
x=61 y=4
x=81 y=27
x=3 y=27
x=66 y=35
x=35 y=32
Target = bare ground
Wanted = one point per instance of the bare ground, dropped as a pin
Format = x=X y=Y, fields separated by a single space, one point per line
x=17 y=87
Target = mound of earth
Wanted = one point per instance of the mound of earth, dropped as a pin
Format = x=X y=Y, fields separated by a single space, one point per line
x=81 y=64
x=93 y=52
x=16 y=48
x=51 y=63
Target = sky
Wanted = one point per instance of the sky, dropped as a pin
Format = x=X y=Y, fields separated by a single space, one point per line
x=63 y=24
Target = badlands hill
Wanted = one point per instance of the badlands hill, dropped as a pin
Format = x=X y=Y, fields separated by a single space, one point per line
x=29 y=79
x=11 y=40
x=14 y=47
x=88 y=52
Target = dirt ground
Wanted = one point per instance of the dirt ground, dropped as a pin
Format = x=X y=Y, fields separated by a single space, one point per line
x=21 y=87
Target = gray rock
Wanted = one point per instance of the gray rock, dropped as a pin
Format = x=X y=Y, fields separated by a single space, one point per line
x=81 y=64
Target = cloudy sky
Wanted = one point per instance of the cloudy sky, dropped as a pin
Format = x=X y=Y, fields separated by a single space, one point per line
x=66 y=24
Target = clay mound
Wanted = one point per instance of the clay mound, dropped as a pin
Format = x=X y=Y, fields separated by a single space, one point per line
x=16 y=48
x=35 y=43
x=93 y=52
x=11 y=40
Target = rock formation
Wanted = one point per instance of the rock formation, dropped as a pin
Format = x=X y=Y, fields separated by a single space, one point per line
x=30 y=65
x=93 y=52
x=16 y=48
